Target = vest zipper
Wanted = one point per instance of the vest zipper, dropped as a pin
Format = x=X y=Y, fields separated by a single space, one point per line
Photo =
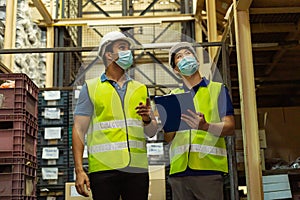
x=190 y=146
x=123 y=110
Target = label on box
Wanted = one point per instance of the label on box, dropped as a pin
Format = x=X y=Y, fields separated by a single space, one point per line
x=51 y=95
x=52 y=133
x=74 y=192
x=51 y=198
x=49 y=173
x=155 y=148
x=76 y=94
x=52 y=113
x=50 y=153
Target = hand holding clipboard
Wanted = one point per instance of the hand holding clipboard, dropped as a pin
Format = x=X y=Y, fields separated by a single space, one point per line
x=173 y=111
x=195 y=120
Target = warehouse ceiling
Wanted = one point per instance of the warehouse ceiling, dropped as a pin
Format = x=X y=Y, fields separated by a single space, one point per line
x=275 y=35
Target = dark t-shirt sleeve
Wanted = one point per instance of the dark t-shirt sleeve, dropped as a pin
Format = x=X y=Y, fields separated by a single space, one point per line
x=225 y=103
x=84 y=105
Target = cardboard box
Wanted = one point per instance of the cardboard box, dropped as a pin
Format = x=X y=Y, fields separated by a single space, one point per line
x=157 y=189
x=71 y=193
x=240 y=160
x=157 y=183
x=261 y=119
x=239 y=139
x=157 y=172
x=282 y=130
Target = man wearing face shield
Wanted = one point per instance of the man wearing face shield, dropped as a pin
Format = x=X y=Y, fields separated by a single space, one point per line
x=198 y=157
x=115 y=114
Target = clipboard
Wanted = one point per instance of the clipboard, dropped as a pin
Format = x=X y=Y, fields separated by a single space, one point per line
x=170 y=107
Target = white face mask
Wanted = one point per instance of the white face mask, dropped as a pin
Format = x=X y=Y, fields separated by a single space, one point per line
x=125 y=59
x=188 y=65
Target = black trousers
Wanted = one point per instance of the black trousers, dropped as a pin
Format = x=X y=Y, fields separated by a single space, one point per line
x=113 y=184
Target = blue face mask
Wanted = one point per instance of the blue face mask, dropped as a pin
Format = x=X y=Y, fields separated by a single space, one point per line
x=188 y=65
x=125 y=59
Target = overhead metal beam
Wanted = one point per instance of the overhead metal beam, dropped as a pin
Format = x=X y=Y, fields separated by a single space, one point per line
x=122 y=20
x=99 y=8
x=43 y=11
x=84 y=49
x=46 y=50
x=275 y=10
x=161 y=33
x=149 y=7
x=163 y=66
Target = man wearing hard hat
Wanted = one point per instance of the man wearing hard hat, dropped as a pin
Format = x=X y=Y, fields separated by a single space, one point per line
x=115 y=112
x=198 y=157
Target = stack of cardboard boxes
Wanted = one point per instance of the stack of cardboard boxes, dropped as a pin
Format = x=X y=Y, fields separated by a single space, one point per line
x=239 y=146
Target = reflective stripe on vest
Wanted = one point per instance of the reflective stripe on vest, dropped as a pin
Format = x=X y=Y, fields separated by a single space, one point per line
x=116 y=124
x=116 y=146
x=200 y=149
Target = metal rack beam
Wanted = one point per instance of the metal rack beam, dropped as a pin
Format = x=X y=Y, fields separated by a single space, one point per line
x=122 y=20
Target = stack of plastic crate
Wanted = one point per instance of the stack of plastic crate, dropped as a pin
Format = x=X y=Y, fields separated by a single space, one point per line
x=72 y=102
x=53 y=143
x=18 y=137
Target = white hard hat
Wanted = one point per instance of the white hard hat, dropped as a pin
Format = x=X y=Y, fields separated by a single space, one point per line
x=110 y=37
x=177 y=47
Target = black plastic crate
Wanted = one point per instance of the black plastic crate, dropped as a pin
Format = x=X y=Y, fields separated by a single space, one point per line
x=62 y=178
x=62 y=141
x=61 y=112
x=55 y=197
x=63 y=159
x=70 y=135
x=63 y=101
x=50 y=191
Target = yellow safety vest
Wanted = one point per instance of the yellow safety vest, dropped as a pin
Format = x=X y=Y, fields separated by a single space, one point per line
x=116 y=135
x=197 y=149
